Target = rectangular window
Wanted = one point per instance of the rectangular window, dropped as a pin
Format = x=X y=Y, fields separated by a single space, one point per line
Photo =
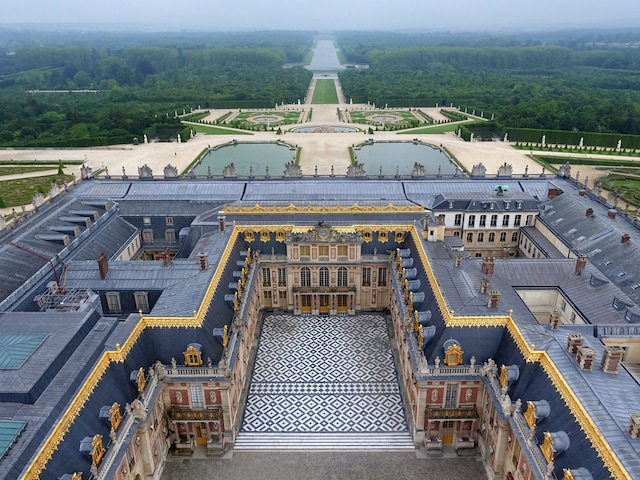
x=113 y=302
x=492 y=237
x=529 y=220
x=563 y=305
x=267 y=298
x=142 y=301
x=170 y=235
x=282 y=277
x=382 y=277
x=168 y=220
x=483 y=220
x=146 y=220
x=469 y=237
x=516 y=221
x=505 y=221
x=343 y=252
x=305 y=251
x=494 y=220
x=514 y=237
x=480 y=237
x=503 y=237
x=458 y=220
x=266 y=277
x=366 y=276
x=451 y=396
x=282 y=297
x=323 y=252
x=472 y=220
x=147 y=235
x=197 y=398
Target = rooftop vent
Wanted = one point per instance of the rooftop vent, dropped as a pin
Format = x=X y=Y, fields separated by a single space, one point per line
x=611 y=359
x=634 y=425
x=574 y=340
x=611 y=213
x=589 y=212
x=586 y=357
x=625 y=238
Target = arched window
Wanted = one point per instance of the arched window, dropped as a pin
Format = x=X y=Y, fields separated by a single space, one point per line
x=324 y=277
x=342 y=277
x=305 y=277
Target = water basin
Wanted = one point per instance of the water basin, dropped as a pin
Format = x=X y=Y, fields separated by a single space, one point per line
x=247 y=158
x=398 y=158
x=325 y=129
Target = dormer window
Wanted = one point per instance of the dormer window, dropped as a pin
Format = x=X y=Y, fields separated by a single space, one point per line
x=193 y=355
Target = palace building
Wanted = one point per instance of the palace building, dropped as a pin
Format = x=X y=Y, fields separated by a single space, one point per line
x=146 y=318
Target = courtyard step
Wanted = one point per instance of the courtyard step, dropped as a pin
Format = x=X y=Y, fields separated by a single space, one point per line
x=397 y=441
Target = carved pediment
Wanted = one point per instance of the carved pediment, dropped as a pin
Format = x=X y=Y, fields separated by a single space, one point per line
x=323 y=233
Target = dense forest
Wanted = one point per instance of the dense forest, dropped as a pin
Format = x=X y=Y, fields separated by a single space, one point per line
x=139 y=88
x=594 y=86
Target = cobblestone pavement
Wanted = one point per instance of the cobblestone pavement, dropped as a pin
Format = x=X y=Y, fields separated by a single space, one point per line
x=325 y=466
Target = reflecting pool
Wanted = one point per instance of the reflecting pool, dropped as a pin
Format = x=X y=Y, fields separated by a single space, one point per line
x=398 y=158
x=325 y=129
x=247 y=158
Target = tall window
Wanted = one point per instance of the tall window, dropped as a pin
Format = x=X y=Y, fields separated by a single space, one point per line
x=469 y=237
x=480 y=237
x=170 y=235
x=505 y=221
x=366 y=276
x=503 y=237
x=282 y=277
x=342 y=277
x=266 y=277
x=113 y=302
x=483 y=220
x=142 y=301
x=494 y=220
x=324 y=277
x=343 y=252
x=529 y=220
x=516 y=220
x=458 y=220
x=197 y=398
x=305 y=252
x=305 y=277
x=282 y=297
x=514 y=237
x=451 y=396
x=492 y=237
x=472 y=220
x=268 y=301
x=382 y=277
x=323 y=252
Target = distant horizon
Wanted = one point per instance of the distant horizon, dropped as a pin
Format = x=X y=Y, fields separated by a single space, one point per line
x=493 y=16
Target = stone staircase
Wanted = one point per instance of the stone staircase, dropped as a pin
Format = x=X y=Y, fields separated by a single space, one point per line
x=392 y=441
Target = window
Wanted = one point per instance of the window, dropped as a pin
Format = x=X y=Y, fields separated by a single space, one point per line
x=146 y=220
x=529 y=220
x=323 y=252
x=469 y=237
x=324 y=277
x=480 y=237
x=305 y=251
x=492 y=237
x=282 y=277
x=503 y=237
x=483 y=220
x=451 y=396
x=458 y=220
x=342 y=277
x=516 y=221
x=494 y=220
x=343 y=252
x=197 y=398
x=366 y=277
x=266 y=277
x=113 y=302
x=573 y=317
x=382 y=277
x=305 y=277
x=514 y=237
x=282 y=297
x=563 y=305
x=168 y=220
x=142 y=301
x=147 y=235
x=170 y=235
x=267 y=298
x=505 y=221
x=472 y=220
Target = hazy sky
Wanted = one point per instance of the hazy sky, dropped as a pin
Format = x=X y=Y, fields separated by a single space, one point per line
x=438 y=15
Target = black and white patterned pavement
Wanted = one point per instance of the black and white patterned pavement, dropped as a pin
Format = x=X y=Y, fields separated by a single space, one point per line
x=320 y=374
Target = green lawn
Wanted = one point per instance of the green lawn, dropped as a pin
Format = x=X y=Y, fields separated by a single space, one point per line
x=13 y=170
x=435 y=129
x=213 y=130
x=325 y=92
x=20 y=192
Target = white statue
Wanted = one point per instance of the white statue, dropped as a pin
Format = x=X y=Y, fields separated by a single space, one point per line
x=145 y=139
x=544 y=140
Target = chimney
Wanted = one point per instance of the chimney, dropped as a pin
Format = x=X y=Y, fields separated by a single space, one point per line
x=634 y=425
x=612 y=212
x=612 y=359
x=586 y=357
x=493 y=298
x=487 y=265
x=625 y=238
x=581 y=193
x=553 y=193
x=581 y=262
x=589 y=212
x=203 y=260
x=166 y=257
x=103 y=265
x=457 y=260
x=574 y=340
x=554 y=319
x=222 y=222
x=484 y=285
